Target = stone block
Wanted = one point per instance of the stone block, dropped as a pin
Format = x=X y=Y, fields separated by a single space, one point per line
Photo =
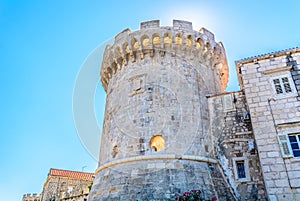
x=272 y=154
x=150 y=24
x=282 y=183
x=181 y=24
x=294 y=174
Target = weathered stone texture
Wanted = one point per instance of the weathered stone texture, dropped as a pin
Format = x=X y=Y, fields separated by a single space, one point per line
x=157 y=80
x=233 y=138
x=136 y=181
x=66 y=186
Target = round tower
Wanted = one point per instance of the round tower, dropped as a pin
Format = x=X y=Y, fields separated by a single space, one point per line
x=156 y=141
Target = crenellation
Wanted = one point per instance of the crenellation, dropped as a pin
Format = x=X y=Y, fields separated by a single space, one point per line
x=31 y=197
x=122 y=35
x=181 y=25
x=146 y=42
x=150 y=24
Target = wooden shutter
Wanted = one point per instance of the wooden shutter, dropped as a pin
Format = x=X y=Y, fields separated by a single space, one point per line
x=286 y=85
x=285 y=146
x=277 y=86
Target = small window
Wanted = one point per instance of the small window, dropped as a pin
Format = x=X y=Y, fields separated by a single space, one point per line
x=137 y=84
x=282 y=85
x=241 y=171
x=228 y=102
x=240 y=167
x=295 y=144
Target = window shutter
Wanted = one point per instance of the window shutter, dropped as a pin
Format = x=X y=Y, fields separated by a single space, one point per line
x=285 y=146
x=277 y=86
x=286 y=84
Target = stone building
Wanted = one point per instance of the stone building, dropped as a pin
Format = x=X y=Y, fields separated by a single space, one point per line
x=234 y=145
x=170 y=127
x=66 y=185
x=31 y=197
x=271 y=84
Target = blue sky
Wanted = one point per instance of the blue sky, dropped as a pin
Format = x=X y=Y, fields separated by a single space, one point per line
x=44 y=43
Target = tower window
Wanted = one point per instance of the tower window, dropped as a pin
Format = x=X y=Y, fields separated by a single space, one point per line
x=157 y=143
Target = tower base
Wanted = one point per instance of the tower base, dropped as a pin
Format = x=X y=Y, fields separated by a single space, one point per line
x=159 y=180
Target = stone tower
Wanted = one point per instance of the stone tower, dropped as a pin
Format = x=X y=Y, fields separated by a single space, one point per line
x=156 y=141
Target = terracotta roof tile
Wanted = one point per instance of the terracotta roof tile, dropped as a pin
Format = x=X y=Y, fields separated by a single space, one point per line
x=72 y=174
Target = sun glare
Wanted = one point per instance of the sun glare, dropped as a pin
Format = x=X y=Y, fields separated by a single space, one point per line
x=200 y=17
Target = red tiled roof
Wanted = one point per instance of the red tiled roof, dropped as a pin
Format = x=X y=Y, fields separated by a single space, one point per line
x=72 y=174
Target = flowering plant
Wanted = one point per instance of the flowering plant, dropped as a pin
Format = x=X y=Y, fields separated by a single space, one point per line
x=193 y=195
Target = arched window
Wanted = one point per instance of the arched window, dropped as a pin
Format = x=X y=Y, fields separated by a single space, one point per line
x=199 y=43
x=167 y=38
x=145 y=41
x=178 y=39
x=189 y=41
x=156 y=39
x=157 y=143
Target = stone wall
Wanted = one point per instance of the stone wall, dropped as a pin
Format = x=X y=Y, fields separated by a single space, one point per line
x=62 y=188
x=233 y=139
x=157 y=180
x=275 y=114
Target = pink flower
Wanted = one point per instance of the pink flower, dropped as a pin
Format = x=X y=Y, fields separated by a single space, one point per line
x=214 y=198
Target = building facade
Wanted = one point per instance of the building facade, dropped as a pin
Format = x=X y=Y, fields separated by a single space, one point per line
x=271 y=86
x=234 y=145
x=66 y=185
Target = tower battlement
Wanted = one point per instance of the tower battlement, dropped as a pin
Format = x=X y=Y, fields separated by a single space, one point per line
x=155 y=41
x=31 y=195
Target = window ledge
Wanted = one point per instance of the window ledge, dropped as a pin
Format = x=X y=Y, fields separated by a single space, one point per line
x=289 y=125
x=242 y=180
x=294 y=160
x=286 y=95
